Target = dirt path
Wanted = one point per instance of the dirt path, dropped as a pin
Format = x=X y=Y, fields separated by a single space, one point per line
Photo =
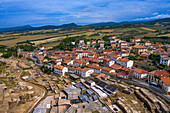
x=43 y=90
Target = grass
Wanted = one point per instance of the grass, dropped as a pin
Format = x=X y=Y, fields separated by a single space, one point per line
x=95 y=37
x=113 y=34
x=121 y=30
x=5 y=82
x=105 y=30
x=57 y=81
x=25 y=73
x=145 y=28
x=48 y=40
x=12 y=82
x=3 y=78
x=22 y=39
x=168 y=35
x=149 y=34
x=35 y=38
x=50 y=44
x=27 y=68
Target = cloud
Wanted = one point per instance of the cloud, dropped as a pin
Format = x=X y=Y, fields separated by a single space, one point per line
x=156 y=13
x=40 y=12
x=155 y=17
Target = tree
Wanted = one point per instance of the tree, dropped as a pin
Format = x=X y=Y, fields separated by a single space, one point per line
x=153 y=69
x=154 y=57
x=129 y=38
x=7 y=55
x=20 y=55
x=46 y=57
x=162 y=66
x=105 y=38
x=132 y=58
x=142 y=41
x=26 y=47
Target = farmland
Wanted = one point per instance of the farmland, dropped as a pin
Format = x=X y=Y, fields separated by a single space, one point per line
x=53 y=36
x=147 y=29
x=166 y=35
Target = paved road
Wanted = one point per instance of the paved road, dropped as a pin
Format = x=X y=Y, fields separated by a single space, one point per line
x=35 y=61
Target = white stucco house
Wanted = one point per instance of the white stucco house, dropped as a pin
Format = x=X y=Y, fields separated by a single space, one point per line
x=165 y=61
x=78 y=71
x=80 y=62
x=125 y=62
x=140 y=73
x=166 y=84
x=97 y=69
x=68 y=62
x=86 y=72
x=110 y=62
x=114 y=57
x=61 y=70
x=81 y=42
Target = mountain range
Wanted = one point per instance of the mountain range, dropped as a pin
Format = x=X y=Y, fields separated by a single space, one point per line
x=165 y=21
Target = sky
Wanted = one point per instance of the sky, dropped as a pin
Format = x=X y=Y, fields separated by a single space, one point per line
x=82 y=12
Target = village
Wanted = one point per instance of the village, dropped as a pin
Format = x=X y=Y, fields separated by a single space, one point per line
x=93 y=77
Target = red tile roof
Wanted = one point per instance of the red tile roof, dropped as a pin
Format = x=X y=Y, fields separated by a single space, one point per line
x=84 y=51
x=131 y=54
x=86 y=69
x=125 y=60
x=79 y=69
x=113 y=73
x=106 y=69
x=40 y=58
x=87 y=58
x=92 y=53
x=115 y=66
x=160 y=73
x=59 y=67
x=121 y=74
x=141 y=71
x=94 y=74
x=164 y=53
x=126 y=51
x=139 y=47
x=79 y=61
x=166 y=81
x=102 y=75
x=125 y=69
x=36 y=53
x=94 y=67
x=67 y=61
x=107 y=50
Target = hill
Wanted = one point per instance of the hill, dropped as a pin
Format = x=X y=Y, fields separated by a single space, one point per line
x=18 y=28
x=30 y=28
x=115 y=23
x=165 y=21
x=102 y=24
